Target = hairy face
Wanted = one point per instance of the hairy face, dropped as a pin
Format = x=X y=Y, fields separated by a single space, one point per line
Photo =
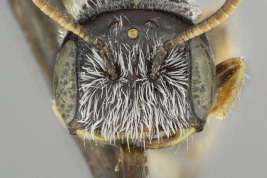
x=134 y=104
x=118 y=95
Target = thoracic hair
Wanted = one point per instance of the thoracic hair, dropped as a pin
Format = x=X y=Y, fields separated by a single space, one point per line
x=94 y=7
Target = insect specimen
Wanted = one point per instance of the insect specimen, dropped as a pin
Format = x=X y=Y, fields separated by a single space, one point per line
x=139 y=75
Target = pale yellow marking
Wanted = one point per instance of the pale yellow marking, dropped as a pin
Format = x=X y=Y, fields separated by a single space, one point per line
x=154 y=144
x=172 y=141
x=57 y=112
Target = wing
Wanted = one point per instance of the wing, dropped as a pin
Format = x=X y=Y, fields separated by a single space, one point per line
x=41 y=34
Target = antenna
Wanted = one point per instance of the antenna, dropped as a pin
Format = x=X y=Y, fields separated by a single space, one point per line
x=213 y=21
x=65 y=21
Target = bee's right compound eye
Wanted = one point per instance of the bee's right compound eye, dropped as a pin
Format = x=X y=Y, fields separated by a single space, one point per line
x=65 y=81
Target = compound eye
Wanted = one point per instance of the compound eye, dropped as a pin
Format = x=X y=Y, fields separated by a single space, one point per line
x=65 y=81
x=202 y=78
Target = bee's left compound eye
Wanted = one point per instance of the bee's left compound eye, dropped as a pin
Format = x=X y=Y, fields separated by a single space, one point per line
x=202 y=78
x=65 y=81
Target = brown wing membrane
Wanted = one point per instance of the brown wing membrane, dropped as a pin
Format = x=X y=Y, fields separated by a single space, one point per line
x=41 y=33
x=102 y=159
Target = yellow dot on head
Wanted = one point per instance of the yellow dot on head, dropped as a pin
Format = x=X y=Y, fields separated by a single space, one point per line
x=133 y=33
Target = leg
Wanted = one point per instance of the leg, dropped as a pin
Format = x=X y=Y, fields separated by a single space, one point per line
x=229 y=75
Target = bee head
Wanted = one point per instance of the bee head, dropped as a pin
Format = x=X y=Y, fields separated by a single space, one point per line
x=122 y=78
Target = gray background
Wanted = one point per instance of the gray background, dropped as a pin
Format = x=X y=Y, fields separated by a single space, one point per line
x=34 y=144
